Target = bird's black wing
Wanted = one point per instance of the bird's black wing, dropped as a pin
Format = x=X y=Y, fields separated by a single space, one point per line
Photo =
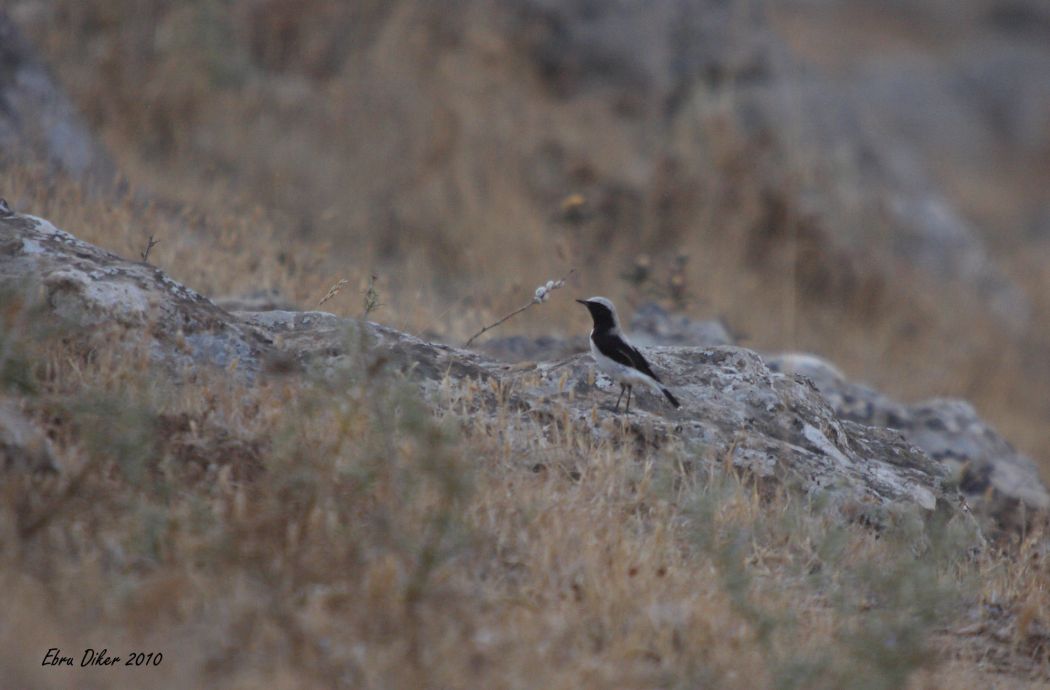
x=617 y=349
x=640 y=363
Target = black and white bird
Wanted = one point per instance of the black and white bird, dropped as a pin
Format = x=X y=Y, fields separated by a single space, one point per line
x=616 y=357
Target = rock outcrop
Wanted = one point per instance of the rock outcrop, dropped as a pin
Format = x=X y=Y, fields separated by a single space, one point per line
x=1001 y=481
x=90 y=289
x=782 y=427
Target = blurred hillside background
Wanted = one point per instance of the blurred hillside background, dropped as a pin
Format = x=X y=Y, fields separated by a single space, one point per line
x=868 y=180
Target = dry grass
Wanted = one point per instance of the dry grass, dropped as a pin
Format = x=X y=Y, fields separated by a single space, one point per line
x=337 y=533
x=341 y=533
x=236 y=251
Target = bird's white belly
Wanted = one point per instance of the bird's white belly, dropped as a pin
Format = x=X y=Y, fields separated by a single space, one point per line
x=618 y=372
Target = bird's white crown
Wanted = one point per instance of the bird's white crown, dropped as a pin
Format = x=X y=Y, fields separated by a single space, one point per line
x=604 y=301
x=607 y=303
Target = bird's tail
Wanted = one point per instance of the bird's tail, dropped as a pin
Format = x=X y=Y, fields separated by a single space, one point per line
x=673 y=400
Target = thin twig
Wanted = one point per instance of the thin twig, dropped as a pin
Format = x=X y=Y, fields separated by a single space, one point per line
x=150 y=244
x=513 y=313
x=535 y=301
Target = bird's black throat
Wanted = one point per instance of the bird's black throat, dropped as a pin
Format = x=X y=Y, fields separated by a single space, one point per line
x=602 y=316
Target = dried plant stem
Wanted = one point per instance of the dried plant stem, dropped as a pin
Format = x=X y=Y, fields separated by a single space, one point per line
x=371 y=301
x=513 y=313
x=150 y=244
x=517 y=311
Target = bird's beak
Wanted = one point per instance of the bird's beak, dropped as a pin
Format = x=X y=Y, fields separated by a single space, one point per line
x=582 y=301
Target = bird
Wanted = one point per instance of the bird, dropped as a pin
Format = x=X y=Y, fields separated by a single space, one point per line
x=616 y=357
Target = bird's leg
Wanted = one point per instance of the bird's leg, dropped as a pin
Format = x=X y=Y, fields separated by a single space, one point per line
x=617 y=408
x=627 y=410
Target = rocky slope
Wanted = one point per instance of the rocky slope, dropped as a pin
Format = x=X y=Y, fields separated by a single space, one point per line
x=785 y=421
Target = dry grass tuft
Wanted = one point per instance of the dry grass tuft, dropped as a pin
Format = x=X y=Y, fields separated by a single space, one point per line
x=333 y=291
x=237 y=251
